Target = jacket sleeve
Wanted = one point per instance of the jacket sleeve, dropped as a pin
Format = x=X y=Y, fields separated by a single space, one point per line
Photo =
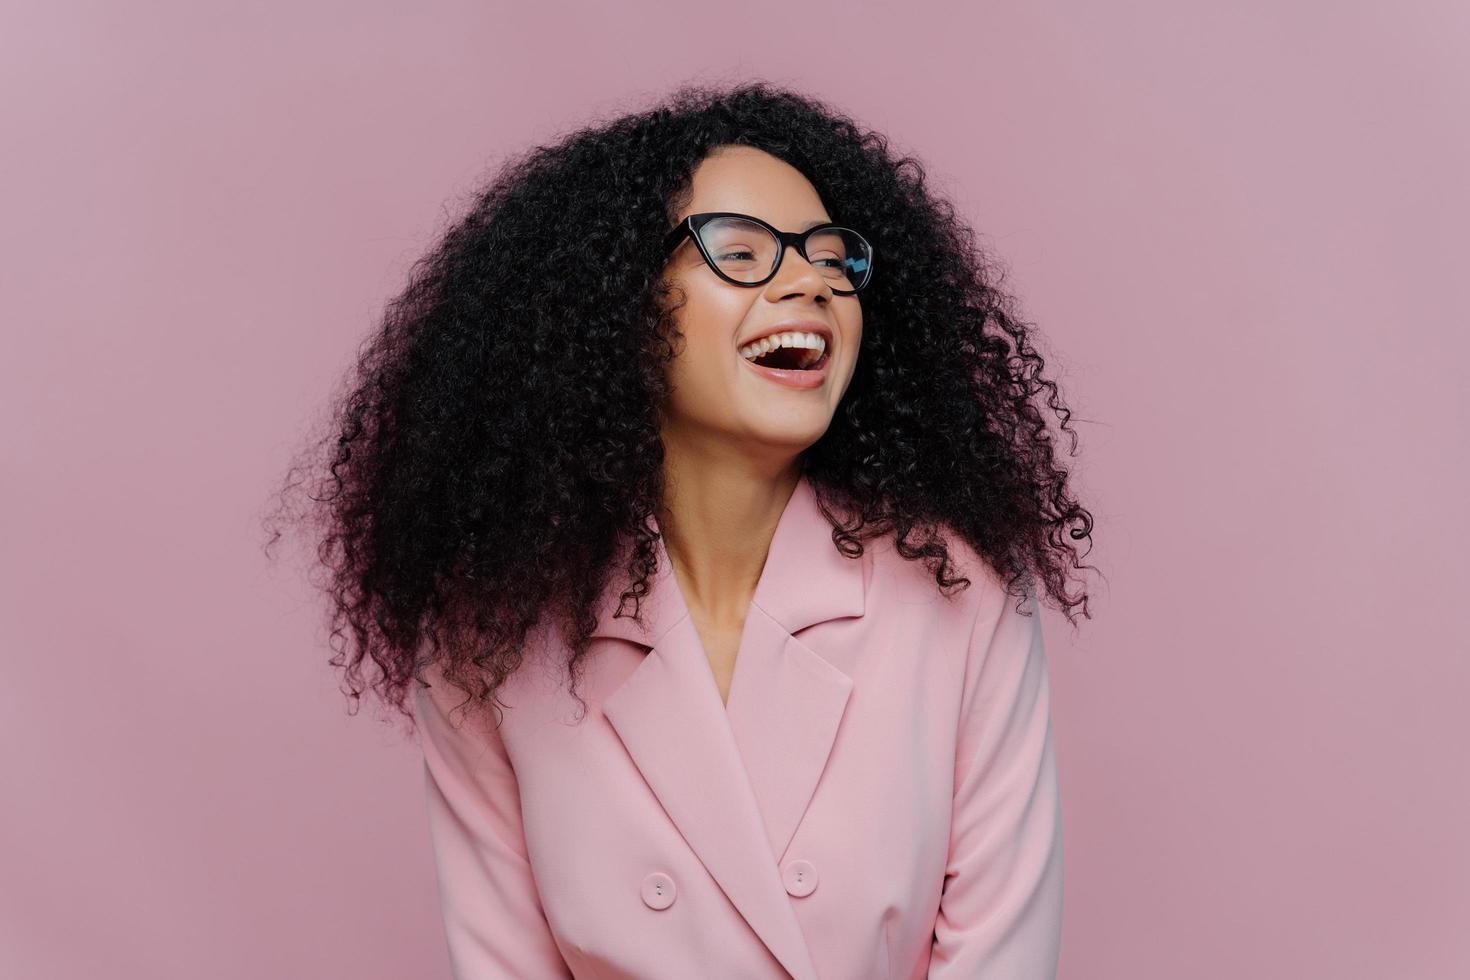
x=493 y=919
x=1001 y=908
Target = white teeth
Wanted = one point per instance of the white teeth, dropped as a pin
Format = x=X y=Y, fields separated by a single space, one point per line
x=811 y=341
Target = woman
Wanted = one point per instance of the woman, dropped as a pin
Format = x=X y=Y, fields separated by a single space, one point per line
x=606 y=477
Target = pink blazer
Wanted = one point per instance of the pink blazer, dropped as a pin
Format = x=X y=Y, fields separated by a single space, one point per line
x=878 y=799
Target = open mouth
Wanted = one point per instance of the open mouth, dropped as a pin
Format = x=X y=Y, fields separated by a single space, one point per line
x=791 y=359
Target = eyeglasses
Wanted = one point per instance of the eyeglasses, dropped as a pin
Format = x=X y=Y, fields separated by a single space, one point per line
x=747 y=251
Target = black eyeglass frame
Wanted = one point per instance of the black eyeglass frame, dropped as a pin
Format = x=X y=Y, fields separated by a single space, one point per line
x=691 y=225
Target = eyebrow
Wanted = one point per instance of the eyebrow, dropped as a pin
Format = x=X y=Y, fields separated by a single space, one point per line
x=809 y=225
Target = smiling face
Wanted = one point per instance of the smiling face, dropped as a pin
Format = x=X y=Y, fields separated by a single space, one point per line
x=721 y=400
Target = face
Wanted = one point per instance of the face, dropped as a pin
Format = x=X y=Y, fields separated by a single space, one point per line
x=720 y=399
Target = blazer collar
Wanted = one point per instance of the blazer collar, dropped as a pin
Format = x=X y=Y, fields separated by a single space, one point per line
x=805 y=580
x=736 y=778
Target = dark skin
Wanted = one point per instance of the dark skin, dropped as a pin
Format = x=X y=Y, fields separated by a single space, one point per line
x=733 y=439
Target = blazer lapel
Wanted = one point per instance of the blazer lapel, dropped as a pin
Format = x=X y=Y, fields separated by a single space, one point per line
x=735 y=780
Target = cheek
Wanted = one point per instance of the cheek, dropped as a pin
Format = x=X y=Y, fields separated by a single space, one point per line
x=854 y=337
x=710 y=322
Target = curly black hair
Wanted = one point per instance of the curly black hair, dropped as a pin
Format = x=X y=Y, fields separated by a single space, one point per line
x=499 y=439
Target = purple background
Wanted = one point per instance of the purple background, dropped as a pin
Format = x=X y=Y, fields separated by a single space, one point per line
x=1240 y=227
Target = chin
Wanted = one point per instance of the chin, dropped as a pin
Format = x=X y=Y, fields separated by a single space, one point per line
x=790 y=433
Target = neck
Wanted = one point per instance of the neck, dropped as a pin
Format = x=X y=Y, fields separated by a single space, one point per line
x=717 y=521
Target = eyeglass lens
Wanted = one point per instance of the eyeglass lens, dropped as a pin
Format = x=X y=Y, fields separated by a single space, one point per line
x=746 y=252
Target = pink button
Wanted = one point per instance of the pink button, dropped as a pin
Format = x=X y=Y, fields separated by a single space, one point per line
x=658 y=890
x=800 y=878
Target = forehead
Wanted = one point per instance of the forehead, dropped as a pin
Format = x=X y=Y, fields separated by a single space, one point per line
x=751 y=181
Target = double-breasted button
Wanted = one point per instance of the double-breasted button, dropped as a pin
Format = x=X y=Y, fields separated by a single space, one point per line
x=658 y=890
x=800 y=878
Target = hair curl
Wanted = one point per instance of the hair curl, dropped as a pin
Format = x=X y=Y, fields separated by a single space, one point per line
x=500 y=435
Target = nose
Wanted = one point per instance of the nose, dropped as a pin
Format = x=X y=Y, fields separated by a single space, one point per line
x=796 y=274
